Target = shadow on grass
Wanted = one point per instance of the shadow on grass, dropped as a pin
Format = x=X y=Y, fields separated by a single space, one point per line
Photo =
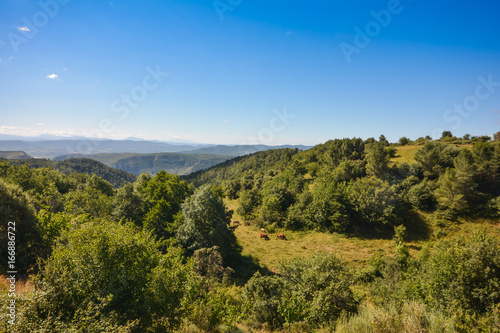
x=417 y=229
x=245 y=266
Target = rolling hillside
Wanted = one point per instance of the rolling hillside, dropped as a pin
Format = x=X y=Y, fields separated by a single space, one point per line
x=82 y=165
x=178 y=164
x=240 y=150
x=14 y=155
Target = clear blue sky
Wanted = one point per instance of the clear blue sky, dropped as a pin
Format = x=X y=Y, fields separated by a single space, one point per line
x=232 y=69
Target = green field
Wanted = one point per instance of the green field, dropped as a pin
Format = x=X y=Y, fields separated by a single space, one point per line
x=354 y=251
x=407 y=153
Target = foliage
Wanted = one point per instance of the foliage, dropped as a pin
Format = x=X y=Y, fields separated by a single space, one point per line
x=17 y=216
x=119 y=272
x=206 y=224
x=463 y=273
x=317 y=290
x=374 y=201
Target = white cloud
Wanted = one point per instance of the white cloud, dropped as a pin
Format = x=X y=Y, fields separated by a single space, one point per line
x=53 y=77
x=41 y=124
x=6 y=60
x=25 y=29
x=65 y=69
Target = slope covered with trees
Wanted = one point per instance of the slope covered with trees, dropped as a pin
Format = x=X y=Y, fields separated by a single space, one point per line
x=160 y=254
x=352 y=185
x=82 y=165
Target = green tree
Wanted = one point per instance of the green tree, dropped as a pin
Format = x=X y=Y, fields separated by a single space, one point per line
x=249 y=201
x=118 y=272
x=263 y=296
x=376 y=160
x=383 y=140
x=163 y=195
x=19 y=233
x=446 y=134
x=435 y=157
x=128 y=205
x=320 y=286
x=463 y=273
x=327 y=211
x=375 y=202
x=206 y=224
x=403 y=141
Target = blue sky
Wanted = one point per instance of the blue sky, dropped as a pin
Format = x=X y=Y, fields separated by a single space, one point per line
x=242 y=71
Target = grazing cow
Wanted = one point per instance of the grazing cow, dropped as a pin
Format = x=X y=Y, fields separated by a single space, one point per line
x=264 y=236
x=280 y=236
x=263 y=230
x=236 y=222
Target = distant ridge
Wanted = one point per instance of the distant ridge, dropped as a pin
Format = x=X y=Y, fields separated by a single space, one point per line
x=14 y=155
x=240 y=150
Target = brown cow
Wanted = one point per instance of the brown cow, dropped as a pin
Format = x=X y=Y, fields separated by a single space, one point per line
x=264 y=236
x=280 y=236
x=236 y=222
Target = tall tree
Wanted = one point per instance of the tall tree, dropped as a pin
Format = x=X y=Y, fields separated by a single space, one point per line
x=376 y=160
x=206 y=224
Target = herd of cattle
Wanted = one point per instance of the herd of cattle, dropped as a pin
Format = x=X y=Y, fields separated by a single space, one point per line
x=263 y=233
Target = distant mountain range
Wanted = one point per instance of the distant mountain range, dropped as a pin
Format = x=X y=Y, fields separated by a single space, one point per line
x=175 y=163
x=133 y=155
x=53 y=148
x=49 y=146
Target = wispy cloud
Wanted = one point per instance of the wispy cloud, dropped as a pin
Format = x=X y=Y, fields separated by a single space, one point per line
x=41 y=124
x=495 y=111
x=25 y=29
x=6 y=60
x=53 y=77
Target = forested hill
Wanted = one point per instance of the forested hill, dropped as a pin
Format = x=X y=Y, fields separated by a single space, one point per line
x=11 y=155
x=351 y=184
x=175 y=163
x=240 y=166
x=240 y=150
x=116 y=177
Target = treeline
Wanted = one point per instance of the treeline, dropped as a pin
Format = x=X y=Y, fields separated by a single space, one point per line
x=82 y=165
x=350 y=185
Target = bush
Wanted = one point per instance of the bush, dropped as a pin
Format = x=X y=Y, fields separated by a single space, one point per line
x=463 y=274
x=374 y=201
x=112 y=272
